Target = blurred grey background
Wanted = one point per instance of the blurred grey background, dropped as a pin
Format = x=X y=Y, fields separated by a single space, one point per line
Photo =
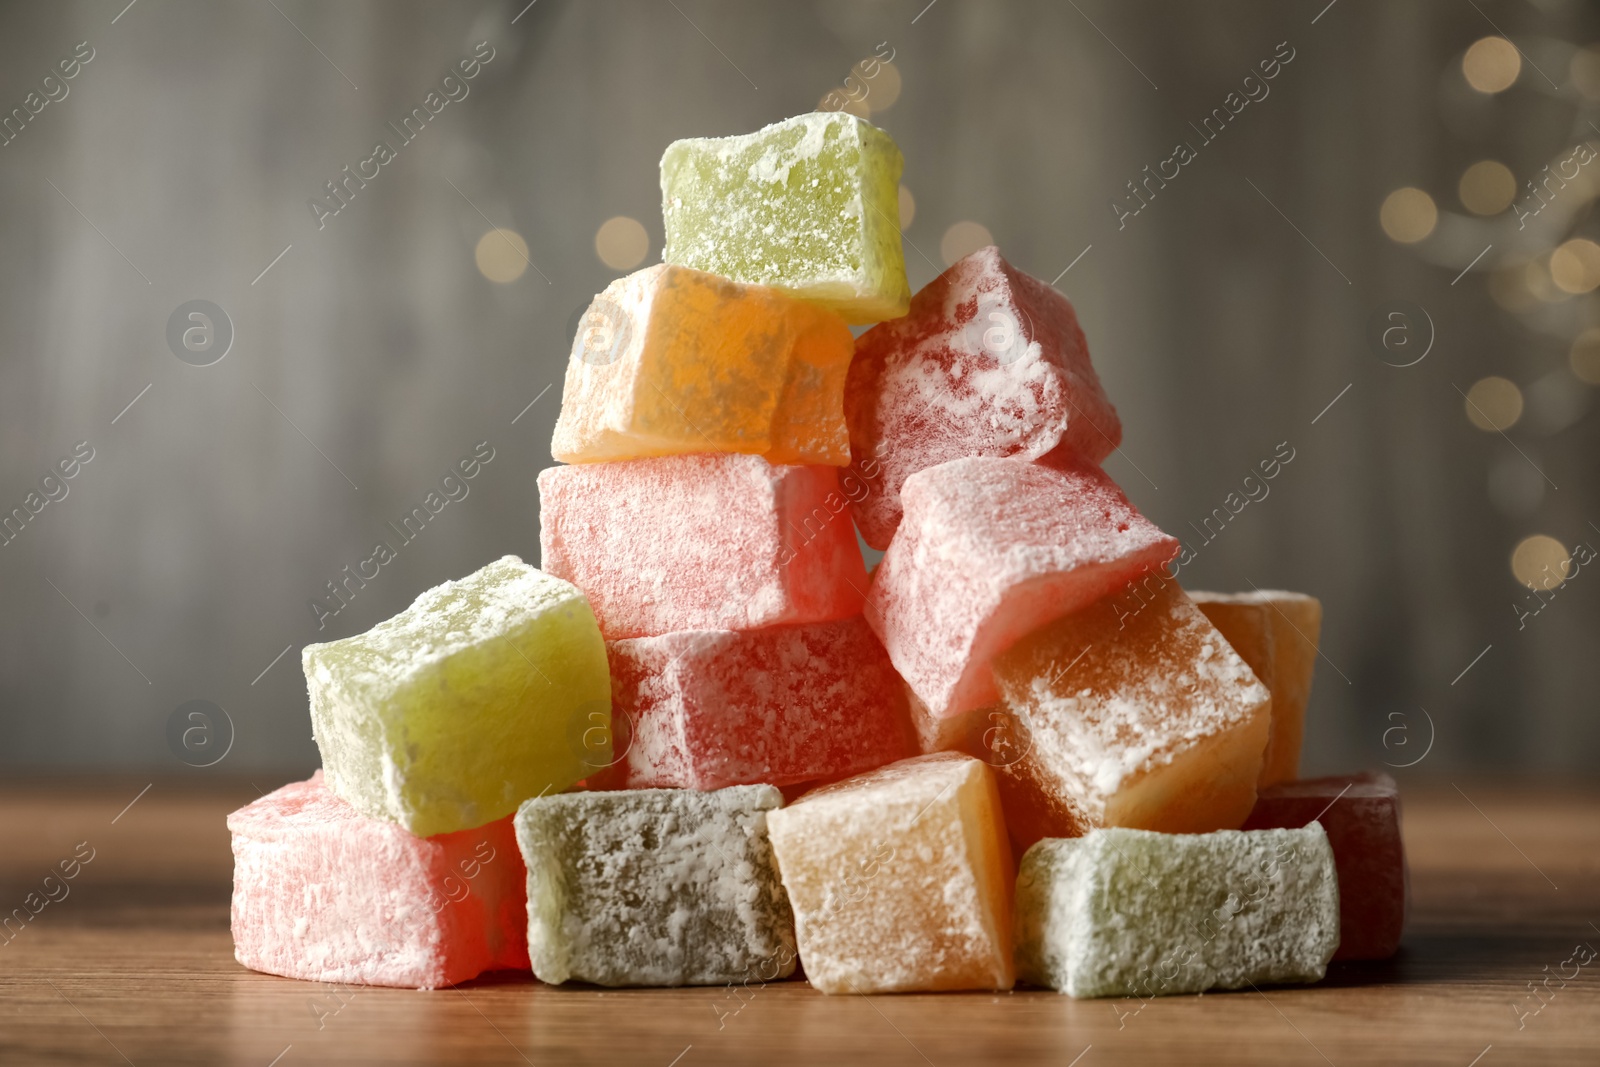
x=374 y=348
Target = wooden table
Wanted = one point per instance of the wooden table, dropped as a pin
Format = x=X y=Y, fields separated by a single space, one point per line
x=135 y=965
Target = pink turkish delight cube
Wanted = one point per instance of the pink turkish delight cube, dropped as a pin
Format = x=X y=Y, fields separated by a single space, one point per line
x=989 y=362
x=780 y=705
x=990 y=550
x=701 y=542
x=324 y=893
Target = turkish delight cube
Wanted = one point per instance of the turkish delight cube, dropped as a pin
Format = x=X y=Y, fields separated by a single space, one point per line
x=473 y=699
x=1140 y=718
x=1135 y=913
x=1283 y=659
x=1361 y=814
x=809 y=205
x=701 y=542
x=992 y=549
x=655 y=887
x=989 y=362
x=900 y=878
x=670 y=360
x=327 y=894
x=782 y=705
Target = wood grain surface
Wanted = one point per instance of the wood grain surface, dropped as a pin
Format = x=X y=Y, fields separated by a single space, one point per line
x=134 y=965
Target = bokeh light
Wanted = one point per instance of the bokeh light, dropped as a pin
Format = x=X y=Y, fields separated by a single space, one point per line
x=908 y=208
x=1408 y=215
x=1494 y=403
x=883 y=87
x=1491 y=65
x=1575 y=266
x=1508 y=287
x=1487 y=187
x=872 y=87
x=1585 y=356
x=502 y=255
x=1540 y=562
x=621 y=242
x=1585 y=71
x=1554 y=402
x=963 y=239
x=1536 y=276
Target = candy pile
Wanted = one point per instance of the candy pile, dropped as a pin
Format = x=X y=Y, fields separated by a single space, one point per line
x=702 y=745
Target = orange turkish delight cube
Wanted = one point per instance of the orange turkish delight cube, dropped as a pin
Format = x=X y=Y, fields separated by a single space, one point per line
x=1145 y=719
x=900 y=878
x=1276 y=632
x=670 y=360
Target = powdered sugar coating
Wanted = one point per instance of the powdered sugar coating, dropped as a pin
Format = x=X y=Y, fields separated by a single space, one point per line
x=1146 y=719
x=324 y=893
x=655 y=887
x=718 y=541
x=782 y=705
x=1128 y=912
x=989 y=362
x=900 y=879
x=990 y=550
x=454 y=711
x=809 y=204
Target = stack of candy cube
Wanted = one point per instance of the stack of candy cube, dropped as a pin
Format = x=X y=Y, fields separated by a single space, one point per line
x=702 y=745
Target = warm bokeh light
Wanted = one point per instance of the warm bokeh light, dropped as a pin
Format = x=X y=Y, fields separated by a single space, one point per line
x=1540 y=562
x=1555 y=401
x=621 y=243
x=1491 y=65
x=1536 y=276
x=1494 y=403
x=1585 y=71
x=502 y=255
x=883 y=88
x=1508 y=287
x=963 y=239
x=1487 y=187
x=1408 y=215
x=1575 y=266
x=908 y=208
x=1585 y=356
